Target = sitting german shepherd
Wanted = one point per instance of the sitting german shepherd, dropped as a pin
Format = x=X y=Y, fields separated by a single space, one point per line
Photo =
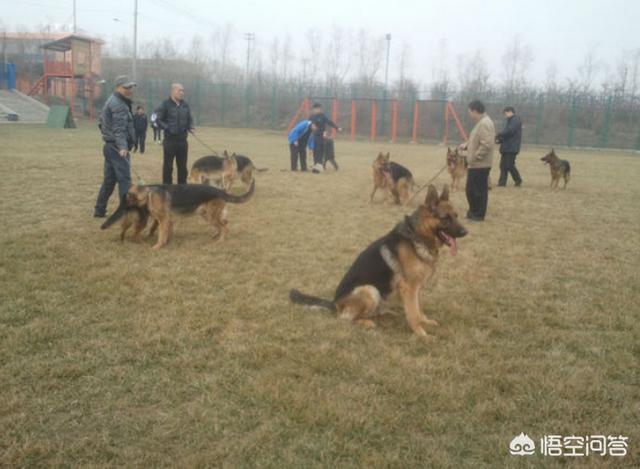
x=559 y=168
x=165 y=201
x=393 y=177
x=401 y=261
x=457 y=167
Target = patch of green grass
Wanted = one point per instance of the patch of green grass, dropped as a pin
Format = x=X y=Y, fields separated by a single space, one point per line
x=113 y=354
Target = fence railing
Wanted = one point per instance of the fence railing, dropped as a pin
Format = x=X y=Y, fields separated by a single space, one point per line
x=571 y=121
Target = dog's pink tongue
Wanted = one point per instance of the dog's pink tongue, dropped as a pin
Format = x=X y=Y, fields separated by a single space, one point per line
x=453 y=246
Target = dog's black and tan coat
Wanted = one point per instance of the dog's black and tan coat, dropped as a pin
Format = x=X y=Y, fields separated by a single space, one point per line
x=163 y=202
x=223 y=170
x=392 y=177
x=401 y=261
x=559 y=168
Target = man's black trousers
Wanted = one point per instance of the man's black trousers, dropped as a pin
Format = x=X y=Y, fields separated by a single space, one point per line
x=508 y=166
x=298 y=152
x=174 y=149
x=477 y=192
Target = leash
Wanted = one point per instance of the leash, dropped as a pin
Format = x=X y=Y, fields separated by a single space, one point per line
x=202 y=143
x=429 y=182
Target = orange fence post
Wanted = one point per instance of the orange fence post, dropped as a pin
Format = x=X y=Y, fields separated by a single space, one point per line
x=353 y=119
x=334 y=115
x=394 y=120
x=458 y=123
x=374 y=119
x=416 y=116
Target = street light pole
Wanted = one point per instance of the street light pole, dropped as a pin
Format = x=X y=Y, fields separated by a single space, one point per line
x=386 y=83
x=134 y=64
x=249 y=37
x=75 y=23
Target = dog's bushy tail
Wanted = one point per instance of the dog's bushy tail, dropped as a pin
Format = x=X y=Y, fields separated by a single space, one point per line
x=117 y=215
x=300 y=298
x=239 y=199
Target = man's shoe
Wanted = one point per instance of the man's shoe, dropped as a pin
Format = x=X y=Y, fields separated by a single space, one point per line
x=99 y=215
x=518 y=184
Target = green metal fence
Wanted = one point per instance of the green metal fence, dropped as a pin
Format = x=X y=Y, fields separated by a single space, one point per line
x=574 y=121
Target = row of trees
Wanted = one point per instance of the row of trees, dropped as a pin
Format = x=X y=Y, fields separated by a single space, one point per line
x=343 y=61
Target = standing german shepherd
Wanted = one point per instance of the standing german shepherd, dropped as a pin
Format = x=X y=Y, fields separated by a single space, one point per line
x=395 y=178
x=220 y=170
x=166 y=201
x=559 y=168
x=457 y=167
x=401 y=261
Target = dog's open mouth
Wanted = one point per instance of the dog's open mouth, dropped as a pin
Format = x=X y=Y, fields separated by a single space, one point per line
x=449 y=241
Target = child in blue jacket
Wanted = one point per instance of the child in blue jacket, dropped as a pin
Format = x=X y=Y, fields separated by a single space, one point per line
x=298 y=138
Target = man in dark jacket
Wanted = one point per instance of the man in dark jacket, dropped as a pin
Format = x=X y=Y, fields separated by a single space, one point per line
x=174 y=117
x=140 y=125
x=509 y=140
x=116 y=126
x=320 y=120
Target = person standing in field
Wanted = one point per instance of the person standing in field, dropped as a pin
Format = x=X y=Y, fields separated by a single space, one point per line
x=509 y=139
x=118 y=134
x=298 y=138
x=140 y=125
x=157 y=132
x=320 y=120
x=480 y=148
x=174 y=118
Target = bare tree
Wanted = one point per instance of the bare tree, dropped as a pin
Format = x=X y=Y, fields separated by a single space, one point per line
x=314 y=47
x=441 y=86
x=221 y=41
x=473 y=74
x=404 y=63
x=336 y=58
x=371 y=52
x=287 y=58
x=516 y=60
x=589 y=69
x=551 y=81
x=274 y=58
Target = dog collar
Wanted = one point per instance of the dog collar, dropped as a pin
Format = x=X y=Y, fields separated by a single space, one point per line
x=407 y=230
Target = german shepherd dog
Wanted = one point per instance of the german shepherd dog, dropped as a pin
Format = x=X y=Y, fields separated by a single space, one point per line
x=166 y=201
x=457 y=167
x=401 y=261
x=559 y=168
x=220 y=170
x=395 y=178
x=246 y=168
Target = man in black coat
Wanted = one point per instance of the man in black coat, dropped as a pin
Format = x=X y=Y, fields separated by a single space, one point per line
x=509 y=139
x=174 y=117
x=116 y=126
x=320 y=120
x=140 y=124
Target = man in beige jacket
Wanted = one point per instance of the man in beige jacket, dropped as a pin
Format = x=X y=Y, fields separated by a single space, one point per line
x=480 y=155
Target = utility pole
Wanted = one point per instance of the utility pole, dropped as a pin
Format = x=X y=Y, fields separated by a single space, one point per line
x=386 y=84
x=249 y=37
x=134 y=65
x=75 y=22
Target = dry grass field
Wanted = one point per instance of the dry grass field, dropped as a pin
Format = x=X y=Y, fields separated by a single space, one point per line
x=112 y=354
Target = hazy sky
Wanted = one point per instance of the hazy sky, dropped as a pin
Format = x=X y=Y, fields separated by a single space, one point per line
x=561 y=31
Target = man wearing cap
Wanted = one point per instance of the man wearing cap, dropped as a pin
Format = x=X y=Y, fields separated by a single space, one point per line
x=174 y=117
x=116 y=126
x=509 y=140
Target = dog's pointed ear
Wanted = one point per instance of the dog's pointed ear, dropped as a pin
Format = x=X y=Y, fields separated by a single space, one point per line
x=225 y=154
x=444 y=195
x=431 y=200
x=388 y=155
x=553 y=151
x=448 y=150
